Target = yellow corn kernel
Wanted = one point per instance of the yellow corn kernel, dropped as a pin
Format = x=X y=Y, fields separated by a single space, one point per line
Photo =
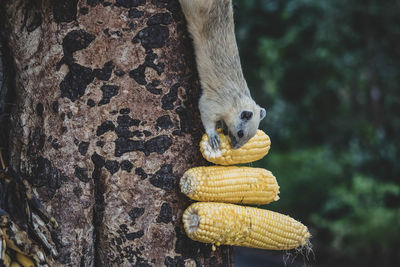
x=256 y=148
x=25 y=260
x=228 y=224
x=230 y=184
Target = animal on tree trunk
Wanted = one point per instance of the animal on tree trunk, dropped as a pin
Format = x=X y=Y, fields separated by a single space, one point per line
x=226 y=97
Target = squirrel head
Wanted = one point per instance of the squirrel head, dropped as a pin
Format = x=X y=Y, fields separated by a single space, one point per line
x=242 y=125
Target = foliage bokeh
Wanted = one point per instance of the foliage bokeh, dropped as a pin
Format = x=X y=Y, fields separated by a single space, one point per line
x=329 y=74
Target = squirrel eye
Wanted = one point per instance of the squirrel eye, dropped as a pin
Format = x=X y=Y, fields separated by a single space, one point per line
x=246 y=115
x=240 y=134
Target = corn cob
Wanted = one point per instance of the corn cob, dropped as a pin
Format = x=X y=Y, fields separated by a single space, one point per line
x=230 y=184
x=256 y=148
x=228 y=224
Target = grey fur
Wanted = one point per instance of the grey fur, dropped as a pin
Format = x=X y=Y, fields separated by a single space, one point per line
x=225 y=92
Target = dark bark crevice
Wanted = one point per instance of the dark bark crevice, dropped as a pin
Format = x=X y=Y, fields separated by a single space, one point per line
x=98 y=207
x=7 y=87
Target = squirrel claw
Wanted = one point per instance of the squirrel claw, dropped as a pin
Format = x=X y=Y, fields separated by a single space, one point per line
x=214 y=141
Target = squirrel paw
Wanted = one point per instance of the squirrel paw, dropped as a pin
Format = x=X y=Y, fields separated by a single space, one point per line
x=214 y=141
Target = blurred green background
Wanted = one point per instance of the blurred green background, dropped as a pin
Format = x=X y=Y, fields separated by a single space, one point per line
x=328 y=72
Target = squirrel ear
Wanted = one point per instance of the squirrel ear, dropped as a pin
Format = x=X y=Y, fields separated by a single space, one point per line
x=262 y=113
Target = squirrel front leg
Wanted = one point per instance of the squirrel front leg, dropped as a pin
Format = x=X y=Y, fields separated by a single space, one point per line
x=209 y=119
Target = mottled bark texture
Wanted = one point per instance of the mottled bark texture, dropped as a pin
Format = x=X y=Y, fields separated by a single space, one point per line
x=106 y=123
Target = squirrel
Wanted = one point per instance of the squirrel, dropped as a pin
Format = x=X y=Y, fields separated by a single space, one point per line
x=225 y=95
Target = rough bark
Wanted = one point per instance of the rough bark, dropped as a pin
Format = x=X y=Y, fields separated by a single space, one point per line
x=106 y=122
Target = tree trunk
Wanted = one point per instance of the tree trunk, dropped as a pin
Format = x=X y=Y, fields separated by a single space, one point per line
x=105 y=124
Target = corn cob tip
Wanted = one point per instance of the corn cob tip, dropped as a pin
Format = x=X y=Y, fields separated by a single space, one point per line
x=193 y=222
x=188 y=185
x=209 y=152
